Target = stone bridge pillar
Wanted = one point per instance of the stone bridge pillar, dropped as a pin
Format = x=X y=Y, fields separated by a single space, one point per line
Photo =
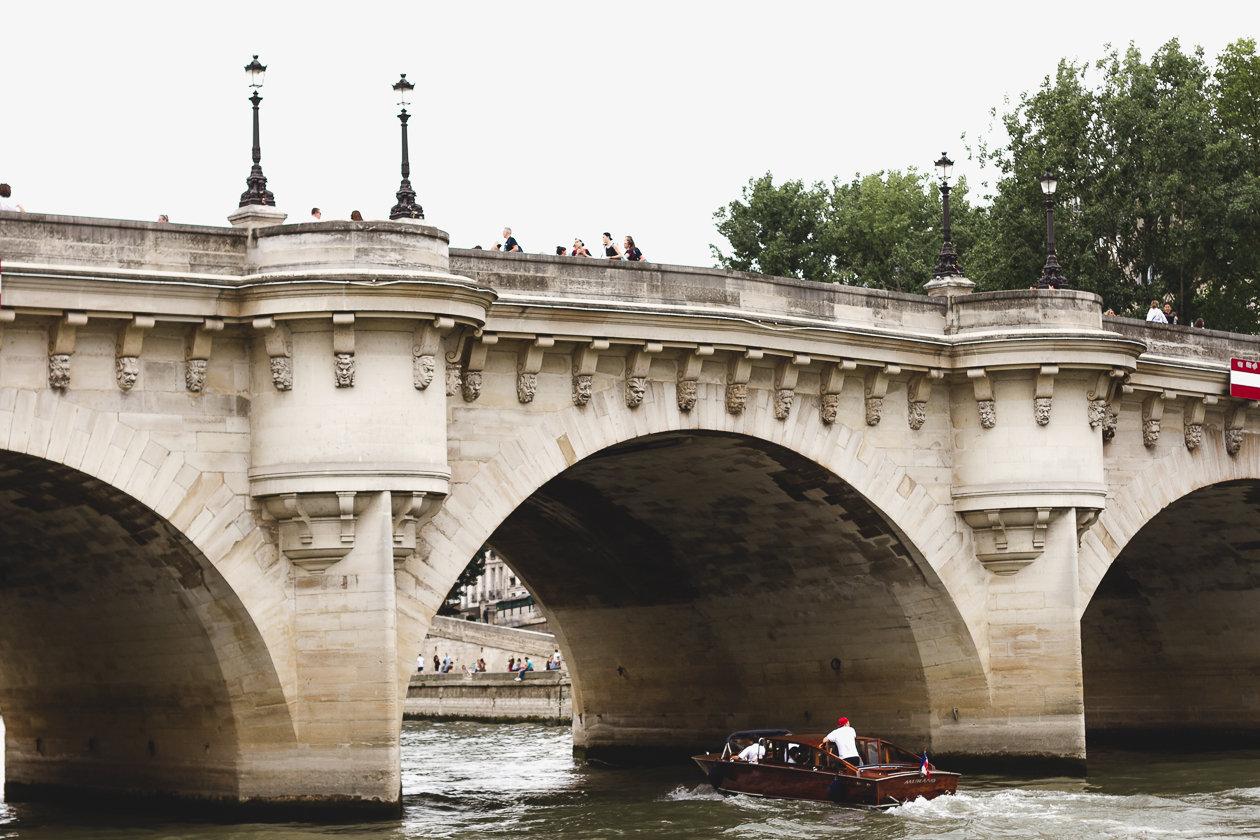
x=348 y=457
x=1028 y=478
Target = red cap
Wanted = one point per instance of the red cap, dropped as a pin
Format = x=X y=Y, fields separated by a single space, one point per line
x=843 y=721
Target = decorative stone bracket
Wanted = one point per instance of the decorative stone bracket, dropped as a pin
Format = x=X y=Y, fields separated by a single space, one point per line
x=61 y=340
x=343 y=349
x=474 y=363
x=876 y=387
x=830 y=384
x=985 y=403
x=785 y=377
x=1235 y=421
x=1152 y=414
x=1043 y=394
x=529 y=359
x=1008 y=540
x=426 y=341
x=318 y=529
x=918 y=392
x=1193 y=413
x=127 y=351
x=197 y=353
x=585 y=359
x=738 y=372
x=279 y=343
x=689 y=368
x=1111 y=386
x=638 y=363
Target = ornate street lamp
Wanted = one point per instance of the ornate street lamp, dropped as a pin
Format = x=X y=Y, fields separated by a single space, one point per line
x=406 y=208
x=947 y=265
x=1051 y=275
x=257 y=192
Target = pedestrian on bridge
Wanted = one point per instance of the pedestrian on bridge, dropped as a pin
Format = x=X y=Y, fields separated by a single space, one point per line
x=1154 y=315
x=6 y=202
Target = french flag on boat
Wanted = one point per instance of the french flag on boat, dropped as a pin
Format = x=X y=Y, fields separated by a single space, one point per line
x=924 y=770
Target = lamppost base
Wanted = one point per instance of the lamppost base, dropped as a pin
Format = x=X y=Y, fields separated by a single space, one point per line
x=256 y=215
x=949 y=286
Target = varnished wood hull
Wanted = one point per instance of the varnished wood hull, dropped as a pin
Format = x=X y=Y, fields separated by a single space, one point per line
x=885 y=786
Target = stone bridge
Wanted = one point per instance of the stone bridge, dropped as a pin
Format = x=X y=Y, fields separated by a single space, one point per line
x=240 y=468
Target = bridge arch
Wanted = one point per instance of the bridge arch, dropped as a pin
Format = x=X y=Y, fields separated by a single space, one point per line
x=571 y=476
x=130 y=657
x=1170 y=576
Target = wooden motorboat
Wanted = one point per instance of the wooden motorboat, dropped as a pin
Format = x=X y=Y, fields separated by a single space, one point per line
x=805 y=767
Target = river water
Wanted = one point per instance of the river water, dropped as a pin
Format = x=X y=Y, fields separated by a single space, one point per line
x=470 y=780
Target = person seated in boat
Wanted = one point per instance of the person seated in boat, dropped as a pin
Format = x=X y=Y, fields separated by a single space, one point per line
x=753 y=752
x=845 y=739
x=796 y=755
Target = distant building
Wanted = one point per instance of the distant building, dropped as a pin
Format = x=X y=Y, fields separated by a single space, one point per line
x=499 y=598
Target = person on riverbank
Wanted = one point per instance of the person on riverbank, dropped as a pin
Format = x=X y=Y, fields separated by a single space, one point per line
x=511 y=663
x=845 y=739
x=529 y=666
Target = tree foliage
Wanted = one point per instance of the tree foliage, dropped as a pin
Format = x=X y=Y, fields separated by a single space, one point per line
x=880 y=231
x=476 y=566
x=1158 y=164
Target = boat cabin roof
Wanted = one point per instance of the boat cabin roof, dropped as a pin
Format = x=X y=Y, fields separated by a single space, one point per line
x=756 y=734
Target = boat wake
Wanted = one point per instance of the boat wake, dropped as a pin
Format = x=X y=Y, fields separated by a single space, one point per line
x=704 y=792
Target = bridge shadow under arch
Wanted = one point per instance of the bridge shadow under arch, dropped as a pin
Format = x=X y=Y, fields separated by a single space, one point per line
x=127 y=663
x=704 y=581
x=1170 y=639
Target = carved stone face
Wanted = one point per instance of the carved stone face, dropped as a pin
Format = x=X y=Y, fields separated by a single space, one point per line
x=736 y=397
x=452 y=381
x=988 y=413
x=423 y=368
x=1041 y=410
x=195 y=375
x=526 y=387
x=582 y=389
x=636 y=389
x=1233 y=440
x=917 y=414
x=343 y=370
x=686 y=393
x=472 y=385
x=1150 y=432
x=829 y=408
x=875 y=409
x=127 y=369
x=282 y=372
x=59 y=370
x=783 y=399
x=1194 y=436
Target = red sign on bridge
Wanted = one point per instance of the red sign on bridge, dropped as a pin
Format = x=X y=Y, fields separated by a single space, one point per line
x=1244 y=379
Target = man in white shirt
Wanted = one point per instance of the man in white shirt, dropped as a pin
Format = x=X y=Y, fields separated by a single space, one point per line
x=1154 y=315
x=752 y=753
x=316 y=215
x=6 y=193
x=845 y=740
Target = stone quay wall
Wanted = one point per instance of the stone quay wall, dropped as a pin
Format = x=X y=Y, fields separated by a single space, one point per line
x=542 y=697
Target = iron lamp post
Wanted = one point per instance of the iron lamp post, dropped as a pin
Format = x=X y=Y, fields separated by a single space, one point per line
x=257 y=182
x=947 y=265
x=406 y=208
x=1052 y=274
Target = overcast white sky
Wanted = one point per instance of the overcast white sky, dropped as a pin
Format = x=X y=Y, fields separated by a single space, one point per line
x=558 y=119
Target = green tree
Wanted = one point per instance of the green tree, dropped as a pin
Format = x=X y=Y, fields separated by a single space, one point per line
x=778 y=231
x=474 y=569
x=1156 y=197
x=880 y=231
x=885 y=229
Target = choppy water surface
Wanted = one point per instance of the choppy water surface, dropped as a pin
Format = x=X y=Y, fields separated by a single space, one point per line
x=466 y=780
